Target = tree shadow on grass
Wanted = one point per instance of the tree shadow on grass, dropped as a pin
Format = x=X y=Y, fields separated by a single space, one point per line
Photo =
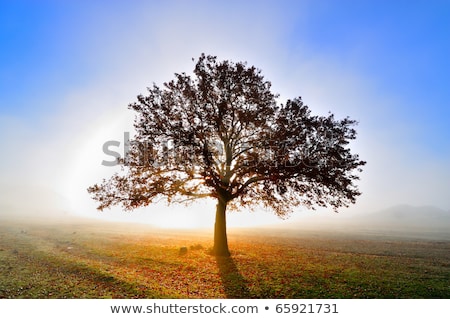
x=234 y=284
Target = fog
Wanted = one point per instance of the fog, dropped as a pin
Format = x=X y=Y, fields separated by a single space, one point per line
x=52 y=136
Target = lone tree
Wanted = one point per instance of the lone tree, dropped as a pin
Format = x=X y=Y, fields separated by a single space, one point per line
x=221 y=134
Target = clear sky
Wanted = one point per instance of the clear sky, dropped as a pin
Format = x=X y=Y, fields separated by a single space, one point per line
x=68 y=70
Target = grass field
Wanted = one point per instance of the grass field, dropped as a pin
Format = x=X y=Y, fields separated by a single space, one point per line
x=87 y=260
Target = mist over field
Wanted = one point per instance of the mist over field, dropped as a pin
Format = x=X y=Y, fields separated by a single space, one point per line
x=401 y=221
x=43 y=205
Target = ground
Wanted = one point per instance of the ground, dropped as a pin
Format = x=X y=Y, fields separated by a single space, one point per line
x=106 y=260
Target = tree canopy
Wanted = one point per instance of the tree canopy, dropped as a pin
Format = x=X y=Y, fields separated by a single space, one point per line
x=221 y=133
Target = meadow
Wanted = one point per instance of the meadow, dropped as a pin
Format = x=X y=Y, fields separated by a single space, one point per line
x=107 y=260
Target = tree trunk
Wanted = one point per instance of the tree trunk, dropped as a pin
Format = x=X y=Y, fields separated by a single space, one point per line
x=220 y=230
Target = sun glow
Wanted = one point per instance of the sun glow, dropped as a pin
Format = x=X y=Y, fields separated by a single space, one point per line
x=84 y=169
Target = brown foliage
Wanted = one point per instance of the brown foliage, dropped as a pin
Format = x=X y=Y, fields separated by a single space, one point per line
x=221 y=133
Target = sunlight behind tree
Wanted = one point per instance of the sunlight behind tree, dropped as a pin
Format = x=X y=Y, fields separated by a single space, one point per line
x=222 y=135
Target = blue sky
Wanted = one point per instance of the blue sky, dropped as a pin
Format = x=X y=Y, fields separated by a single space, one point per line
x=69 y=69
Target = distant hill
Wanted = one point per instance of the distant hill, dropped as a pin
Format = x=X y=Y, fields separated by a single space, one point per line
x=31 y=202
x=401 y=221
x=408 y=217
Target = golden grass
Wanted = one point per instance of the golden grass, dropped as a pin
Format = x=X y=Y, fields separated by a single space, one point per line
x=89 y=260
